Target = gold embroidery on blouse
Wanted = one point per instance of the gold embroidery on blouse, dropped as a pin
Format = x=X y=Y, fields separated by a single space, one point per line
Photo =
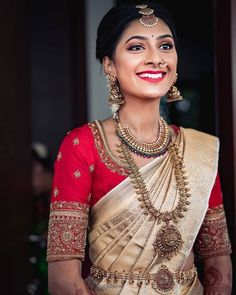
x=77 y=174
x=215 y=213
x=106 y=156
x=91 y=168
x=67 y=231
x=213 y=239
x=59 y=156
x=76 y=141
x=55 y=192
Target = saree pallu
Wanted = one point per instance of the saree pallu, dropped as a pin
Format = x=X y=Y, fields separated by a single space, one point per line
x=121 y=236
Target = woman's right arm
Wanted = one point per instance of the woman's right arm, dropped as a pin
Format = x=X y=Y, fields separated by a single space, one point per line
x=68 y=219
x=64 y=278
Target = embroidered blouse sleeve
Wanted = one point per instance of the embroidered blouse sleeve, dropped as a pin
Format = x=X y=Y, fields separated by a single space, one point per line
x=69 y=201
x=213 y=239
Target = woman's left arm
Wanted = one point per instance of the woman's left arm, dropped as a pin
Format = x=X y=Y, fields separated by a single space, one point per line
x=213 y=246
x=218 y=275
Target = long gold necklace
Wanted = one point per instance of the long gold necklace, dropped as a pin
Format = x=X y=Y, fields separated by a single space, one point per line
x=144 y=149
x=168 y=240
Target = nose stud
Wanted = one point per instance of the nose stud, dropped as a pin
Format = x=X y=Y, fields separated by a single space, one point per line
x=163 y=63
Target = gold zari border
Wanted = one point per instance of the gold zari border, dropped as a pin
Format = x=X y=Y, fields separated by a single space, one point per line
x=67 y=231
x=104 y=152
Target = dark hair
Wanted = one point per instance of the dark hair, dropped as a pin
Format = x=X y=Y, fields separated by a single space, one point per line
x=116 y=20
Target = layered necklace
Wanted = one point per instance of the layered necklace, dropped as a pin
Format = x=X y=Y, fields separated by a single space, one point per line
x=168 y=241
x=144 y=149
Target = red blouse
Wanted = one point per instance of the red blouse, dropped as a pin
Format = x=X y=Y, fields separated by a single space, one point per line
x=85 y=170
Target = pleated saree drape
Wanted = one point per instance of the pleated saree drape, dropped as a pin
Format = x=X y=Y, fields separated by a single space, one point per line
x=121 y=237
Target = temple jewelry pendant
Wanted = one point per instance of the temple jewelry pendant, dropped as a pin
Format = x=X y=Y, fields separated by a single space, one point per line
x=168 y=241
x=164 y=280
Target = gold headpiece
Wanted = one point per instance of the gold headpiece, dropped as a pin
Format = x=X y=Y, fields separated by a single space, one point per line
x=148 y=18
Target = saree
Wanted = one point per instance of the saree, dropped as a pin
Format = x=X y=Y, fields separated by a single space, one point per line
x=121 y=237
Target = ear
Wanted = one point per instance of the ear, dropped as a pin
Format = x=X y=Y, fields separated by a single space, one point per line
x=109 y=66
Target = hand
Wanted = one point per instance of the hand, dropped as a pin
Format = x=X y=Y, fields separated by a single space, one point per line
x=217 y=276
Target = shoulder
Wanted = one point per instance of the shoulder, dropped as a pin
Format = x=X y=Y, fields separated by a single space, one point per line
x=200 y=140
x=197 y=134
x=78 y=140
x=78 y=136
x=197 y=137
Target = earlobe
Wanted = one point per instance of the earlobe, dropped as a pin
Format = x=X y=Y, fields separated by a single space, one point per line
x=108 y=66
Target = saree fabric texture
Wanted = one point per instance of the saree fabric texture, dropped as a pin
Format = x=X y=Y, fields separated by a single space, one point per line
x=93 y=197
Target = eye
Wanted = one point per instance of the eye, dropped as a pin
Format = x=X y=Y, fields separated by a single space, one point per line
x=136 y=47
x=166 y=46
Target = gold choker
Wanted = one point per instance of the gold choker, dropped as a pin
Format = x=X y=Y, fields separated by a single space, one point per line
x=144 y=149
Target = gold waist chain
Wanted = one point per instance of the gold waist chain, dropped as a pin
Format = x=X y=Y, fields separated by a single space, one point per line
x=163 y=280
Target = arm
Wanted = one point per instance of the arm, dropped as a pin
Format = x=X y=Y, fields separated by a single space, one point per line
x=64 y=278
x=218 y=275
x=213 y=246
x=68 y=221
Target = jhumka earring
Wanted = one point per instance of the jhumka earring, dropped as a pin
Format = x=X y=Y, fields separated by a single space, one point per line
x=115 y=98
x=174 y=94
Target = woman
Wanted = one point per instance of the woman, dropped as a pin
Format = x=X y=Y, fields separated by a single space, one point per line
x=149 y=192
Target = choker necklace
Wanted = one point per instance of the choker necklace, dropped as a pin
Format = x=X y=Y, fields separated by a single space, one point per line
x=145 y=149
x=168 y=242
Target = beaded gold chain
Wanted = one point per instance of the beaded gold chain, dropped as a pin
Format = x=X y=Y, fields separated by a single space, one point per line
x=144 y=149
x=168 y=241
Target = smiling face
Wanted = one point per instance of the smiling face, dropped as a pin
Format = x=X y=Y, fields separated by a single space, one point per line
x=144 y=62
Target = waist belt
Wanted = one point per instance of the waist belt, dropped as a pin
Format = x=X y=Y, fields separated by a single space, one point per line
x=163 y=279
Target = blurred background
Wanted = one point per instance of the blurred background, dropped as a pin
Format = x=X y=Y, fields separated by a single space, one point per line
x=51 y=82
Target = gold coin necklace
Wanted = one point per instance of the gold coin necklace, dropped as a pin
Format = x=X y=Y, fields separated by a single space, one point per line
x=168 y=241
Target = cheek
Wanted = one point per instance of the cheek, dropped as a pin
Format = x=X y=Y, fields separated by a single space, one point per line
x=126 y=64
x=173 y=60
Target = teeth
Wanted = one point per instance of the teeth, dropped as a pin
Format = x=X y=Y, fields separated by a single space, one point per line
x=152 y=76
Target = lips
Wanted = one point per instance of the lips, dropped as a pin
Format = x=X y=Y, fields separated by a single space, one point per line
x=152 y=76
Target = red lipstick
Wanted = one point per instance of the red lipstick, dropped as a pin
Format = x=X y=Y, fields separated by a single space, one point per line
x=152 y=76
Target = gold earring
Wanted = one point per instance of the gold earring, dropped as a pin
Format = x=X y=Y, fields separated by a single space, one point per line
x=173 y=93
x=115 y=98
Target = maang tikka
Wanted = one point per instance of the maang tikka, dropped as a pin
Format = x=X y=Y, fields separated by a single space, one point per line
x=148 y=18
x=173 y=93
x=115 y=98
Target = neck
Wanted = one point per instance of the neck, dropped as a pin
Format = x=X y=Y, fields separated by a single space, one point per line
x=141 y=118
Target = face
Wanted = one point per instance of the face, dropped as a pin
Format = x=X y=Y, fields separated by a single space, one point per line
x=145 y=61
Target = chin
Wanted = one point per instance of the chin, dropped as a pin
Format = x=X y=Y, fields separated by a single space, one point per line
x=152 y=95
x=153 y=92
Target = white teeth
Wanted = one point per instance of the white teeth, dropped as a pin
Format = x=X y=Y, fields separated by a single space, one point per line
x=152 y=76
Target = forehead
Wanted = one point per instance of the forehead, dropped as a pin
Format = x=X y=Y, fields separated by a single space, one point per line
x=136 y=28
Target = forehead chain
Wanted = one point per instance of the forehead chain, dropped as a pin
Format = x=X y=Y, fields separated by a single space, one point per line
x=148 y=18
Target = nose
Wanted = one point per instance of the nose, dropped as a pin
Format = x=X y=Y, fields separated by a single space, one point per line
x=155 y=59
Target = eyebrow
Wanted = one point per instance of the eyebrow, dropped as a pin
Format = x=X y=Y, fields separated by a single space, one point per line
x=145 y=38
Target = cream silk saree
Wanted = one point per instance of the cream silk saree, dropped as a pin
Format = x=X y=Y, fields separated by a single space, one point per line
x=121 y=237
